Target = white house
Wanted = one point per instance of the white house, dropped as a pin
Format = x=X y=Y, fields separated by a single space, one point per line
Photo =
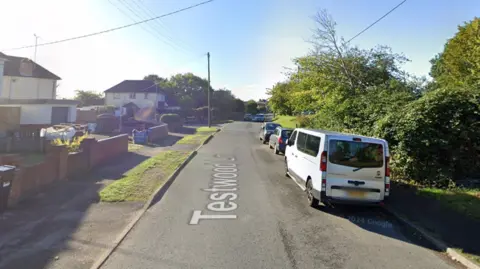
x=26 y=84
x=141 y=93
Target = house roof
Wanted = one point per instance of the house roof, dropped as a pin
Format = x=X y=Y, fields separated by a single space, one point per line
x=137 y=86
x=13 y=68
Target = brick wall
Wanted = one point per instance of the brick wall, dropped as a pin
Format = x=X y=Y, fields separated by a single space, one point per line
x=60 y=165
x=157 y=132
x=175 y=126
x=29 y=180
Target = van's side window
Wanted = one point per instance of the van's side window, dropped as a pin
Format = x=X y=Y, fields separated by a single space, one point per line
x=302 y=138
x=292 y=138
x=312 y=145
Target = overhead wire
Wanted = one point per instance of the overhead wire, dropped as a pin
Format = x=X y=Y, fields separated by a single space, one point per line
x=112 y=29
x=375 y=22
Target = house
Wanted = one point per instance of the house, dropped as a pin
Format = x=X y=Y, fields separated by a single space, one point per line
x=141 y=93
x=28 y=91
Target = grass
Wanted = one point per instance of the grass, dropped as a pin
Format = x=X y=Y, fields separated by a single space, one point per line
x=134 y=147
x=206 y=129
x=139 y=183
x=464 y=201
x=286 y=121
x=202 y=133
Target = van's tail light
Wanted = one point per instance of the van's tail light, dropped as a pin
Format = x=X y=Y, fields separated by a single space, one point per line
x=323 y=162
x=324 y=184
x=280 y=141
x=387 y=166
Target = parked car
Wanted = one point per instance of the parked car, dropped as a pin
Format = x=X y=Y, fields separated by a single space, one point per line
x=259 y=118
x=266 y=130
x=358 y=166
x=247 y=117
x=278 y=138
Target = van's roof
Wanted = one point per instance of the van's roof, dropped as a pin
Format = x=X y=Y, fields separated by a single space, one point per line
x=332 y=133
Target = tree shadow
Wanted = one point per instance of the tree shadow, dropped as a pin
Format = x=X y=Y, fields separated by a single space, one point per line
x=37 y=229
x=457 y=230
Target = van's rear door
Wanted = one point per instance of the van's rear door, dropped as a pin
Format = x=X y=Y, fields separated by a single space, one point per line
x=356 y=168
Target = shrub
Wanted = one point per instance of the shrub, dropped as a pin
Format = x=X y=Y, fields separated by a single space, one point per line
x=170 y=118
x=71 y=145
x=435 y=139
x=304 y=121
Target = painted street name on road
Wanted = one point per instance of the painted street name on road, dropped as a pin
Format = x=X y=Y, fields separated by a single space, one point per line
x=222 y=191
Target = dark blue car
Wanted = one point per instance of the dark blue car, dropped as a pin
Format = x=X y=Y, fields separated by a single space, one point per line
x=278 y=139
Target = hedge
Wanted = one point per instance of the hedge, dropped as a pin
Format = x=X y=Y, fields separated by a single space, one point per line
x=170 y=118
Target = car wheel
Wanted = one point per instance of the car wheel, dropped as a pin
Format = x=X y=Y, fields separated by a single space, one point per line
x=269 y=145
x=275 y=150
x=286 y=168
x=312 y=201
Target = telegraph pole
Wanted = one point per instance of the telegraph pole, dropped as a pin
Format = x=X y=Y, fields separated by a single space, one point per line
x=35 y=53
x=208 y=92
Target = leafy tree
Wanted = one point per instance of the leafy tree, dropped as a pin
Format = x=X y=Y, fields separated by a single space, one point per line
x=279 y=101
x=251 y=107
x=89 y=98
x=459 y=63
x=239 y=105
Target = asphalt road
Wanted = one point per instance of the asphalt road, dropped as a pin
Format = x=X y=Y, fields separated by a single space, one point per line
x=261 y=221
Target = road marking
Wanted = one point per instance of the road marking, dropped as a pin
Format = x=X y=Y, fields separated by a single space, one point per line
x=222 y=187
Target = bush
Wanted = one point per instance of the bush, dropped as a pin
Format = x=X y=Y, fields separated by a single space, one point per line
x=71 y=145
x=170 y=118
x=304 y=121
x=435 y=139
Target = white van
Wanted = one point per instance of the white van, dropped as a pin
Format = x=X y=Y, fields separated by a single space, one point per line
x=338 y=168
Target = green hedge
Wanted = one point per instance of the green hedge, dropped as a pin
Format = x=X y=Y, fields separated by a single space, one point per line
x=170 y=118
x=436 y=138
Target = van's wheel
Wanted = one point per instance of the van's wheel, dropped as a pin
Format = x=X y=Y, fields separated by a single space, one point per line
x=312 y=201
x=275 y=150
x=286 y=168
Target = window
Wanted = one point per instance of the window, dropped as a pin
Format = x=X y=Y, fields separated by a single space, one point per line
x=286 y=133
x=355 y=154
x=292 y=138
x=132 y=95
x=312 y=146
x=302 y=138
x=146 y=95
x=270 y=126
x=116 y=95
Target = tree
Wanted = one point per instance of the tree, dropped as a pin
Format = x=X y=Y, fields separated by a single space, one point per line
x=279 y=101
x=89 y=98
x=459 y=63
x=251 y=107
x=239 y=105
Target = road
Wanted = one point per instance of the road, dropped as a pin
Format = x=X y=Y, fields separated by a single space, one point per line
x=261 y=221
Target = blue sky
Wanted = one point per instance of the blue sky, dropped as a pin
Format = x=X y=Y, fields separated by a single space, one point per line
x=250 y=41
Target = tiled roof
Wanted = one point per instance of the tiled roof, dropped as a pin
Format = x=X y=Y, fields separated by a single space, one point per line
x=13 y=67
x=137 y=86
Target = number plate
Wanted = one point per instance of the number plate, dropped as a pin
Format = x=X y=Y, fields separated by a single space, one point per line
x=356 y=194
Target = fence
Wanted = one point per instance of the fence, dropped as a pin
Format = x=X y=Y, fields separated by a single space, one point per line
x=23 y=141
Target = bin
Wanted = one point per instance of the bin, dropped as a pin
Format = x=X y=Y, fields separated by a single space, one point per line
x=7 y=173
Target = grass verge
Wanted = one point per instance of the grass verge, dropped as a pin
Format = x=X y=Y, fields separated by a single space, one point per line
x=464 y=201
x=202 y=133
x=140 y=182
x=134 y=147
x=286 y=121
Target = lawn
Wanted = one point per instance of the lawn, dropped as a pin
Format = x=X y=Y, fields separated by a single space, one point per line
x=286 y=121
x=134 y=147
x=465 y=201
x=139 y=183
x=202 y=133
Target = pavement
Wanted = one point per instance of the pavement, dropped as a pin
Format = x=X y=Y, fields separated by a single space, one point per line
x=66 y=226
x=232 y=207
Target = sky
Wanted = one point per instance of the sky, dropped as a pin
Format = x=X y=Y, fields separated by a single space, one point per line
x=250 y=41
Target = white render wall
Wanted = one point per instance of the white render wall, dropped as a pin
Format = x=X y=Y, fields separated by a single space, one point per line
x=42 y=114
x=27 y=88
x=140 y=101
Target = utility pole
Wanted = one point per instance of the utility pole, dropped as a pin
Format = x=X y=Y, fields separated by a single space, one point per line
x=208 y=93
x=35 y=53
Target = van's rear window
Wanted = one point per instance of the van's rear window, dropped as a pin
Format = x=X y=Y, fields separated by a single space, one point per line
x=355 y=154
